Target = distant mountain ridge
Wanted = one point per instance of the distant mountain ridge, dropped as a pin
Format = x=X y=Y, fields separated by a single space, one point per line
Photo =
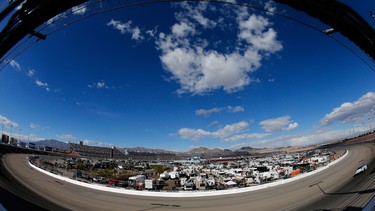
x=247 y=148
x=53 y=143
x=199 y=151
x=148 y=150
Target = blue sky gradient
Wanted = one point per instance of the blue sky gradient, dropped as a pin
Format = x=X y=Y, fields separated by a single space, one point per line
x=182 y=75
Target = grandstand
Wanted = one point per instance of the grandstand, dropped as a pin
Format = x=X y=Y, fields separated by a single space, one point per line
x=97 y=152
x=82 y=150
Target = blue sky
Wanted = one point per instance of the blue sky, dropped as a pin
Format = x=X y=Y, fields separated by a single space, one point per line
x=182 y=75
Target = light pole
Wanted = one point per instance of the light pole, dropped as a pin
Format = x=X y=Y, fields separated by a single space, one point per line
x=19 y=136
x=2 y=129
x=11 y=130
x=369 y=123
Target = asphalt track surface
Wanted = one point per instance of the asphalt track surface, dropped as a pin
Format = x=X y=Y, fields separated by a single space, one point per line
x=332 y=189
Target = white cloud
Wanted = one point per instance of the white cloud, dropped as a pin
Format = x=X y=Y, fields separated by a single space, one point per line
x=255 y=31
x=152 y=32
x=15 y=65
x=199 y=69
x=292 y=126
x=28 y=137
x=30 y=73
x=66 y=136
x=7 y=122
x=246 y=136
x=318 y=137
x=37 y=126
x=226 y=131
x=215 y=122
x=42 y=84
x=183 y=29
x=72 y=138
x=100 y=85
x=351 y=112
x=271 y=7
x=136 y=34
x=278 y=124
x=193 y=134
x=229 y=130
x=127 y=28
x=207 y=112
x=34 y=126
x=196 y=14
x=235 y=109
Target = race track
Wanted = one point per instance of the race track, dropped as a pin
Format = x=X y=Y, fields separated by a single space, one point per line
x=333 y=188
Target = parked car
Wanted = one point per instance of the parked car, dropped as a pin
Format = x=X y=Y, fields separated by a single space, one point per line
x=361 y=169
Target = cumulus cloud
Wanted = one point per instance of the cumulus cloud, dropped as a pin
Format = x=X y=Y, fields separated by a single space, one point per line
x=127 y=28
x=318 y=137
x=278 y=124
x=255 y=30
x=199 y=69
x=350 y=112
x=207 y=112
x=183 y=29
x=201 y=66
x=226 y=131
x=7 y=122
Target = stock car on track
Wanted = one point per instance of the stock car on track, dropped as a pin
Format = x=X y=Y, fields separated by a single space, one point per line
x=360 y=169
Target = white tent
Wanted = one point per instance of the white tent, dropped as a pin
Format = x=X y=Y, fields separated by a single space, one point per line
x=231 y=183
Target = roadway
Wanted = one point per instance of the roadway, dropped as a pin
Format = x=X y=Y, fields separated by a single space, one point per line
x=334 y=188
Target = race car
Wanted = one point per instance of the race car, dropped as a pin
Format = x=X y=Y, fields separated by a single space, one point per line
x=361 y=169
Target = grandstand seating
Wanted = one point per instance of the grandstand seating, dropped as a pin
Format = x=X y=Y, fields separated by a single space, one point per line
x=97 y=152
x=103 y=152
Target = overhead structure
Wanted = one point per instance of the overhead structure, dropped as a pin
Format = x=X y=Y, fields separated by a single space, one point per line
x=27 y=16
x=341 y=18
